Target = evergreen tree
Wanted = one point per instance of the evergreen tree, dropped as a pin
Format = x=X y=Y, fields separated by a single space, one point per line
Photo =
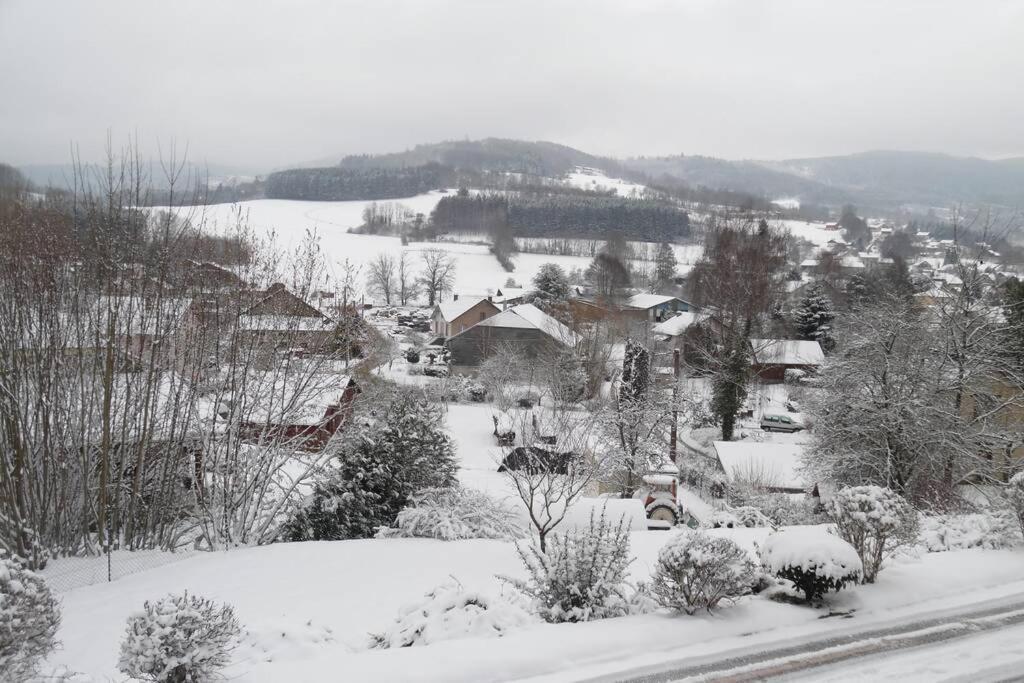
x=813 y=317
x=855 y=229
x=730 y=385
x=664 y=266
x=550 y=286
x=377 y=471
x=636 y=372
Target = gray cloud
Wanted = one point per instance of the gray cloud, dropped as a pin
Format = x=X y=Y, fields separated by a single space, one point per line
x=272 y=83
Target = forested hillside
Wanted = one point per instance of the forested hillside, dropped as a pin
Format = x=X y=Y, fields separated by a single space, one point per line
x=573 y=214
x=339 y=184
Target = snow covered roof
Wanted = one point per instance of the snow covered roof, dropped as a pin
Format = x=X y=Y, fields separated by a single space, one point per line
x=774 y=465
x=528 y=316
x=510 y=293
x=650 y=300
x=851 y=262
x=450 y=310
x=787 y=352
x=283 y=323
x=809 y=263
x=301 y=399
x=676 y=325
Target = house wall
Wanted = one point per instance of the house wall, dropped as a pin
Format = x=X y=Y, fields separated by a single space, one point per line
x=481 y=342
x=449 y=328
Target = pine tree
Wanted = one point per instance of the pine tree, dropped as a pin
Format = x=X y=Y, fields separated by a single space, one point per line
x=664 y=266
x=636 y=372
x=377 y=472
x=813 y=317
x=550 y=286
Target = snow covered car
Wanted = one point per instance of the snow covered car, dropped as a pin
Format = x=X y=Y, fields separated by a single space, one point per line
x=780 y=423
x=659 y=496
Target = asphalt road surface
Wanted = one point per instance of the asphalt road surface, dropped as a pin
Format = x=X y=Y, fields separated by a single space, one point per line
x=863 y=654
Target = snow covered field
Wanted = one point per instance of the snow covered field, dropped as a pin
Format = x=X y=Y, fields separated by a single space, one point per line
x=595 y=180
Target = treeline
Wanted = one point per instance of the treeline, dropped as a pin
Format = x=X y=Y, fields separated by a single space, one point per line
x=563 y=215
x=342 y=184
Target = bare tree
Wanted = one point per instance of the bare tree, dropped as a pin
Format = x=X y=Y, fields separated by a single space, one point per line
x=380 y=276
x=550 y=478
x=438 y=274
x=406 y=279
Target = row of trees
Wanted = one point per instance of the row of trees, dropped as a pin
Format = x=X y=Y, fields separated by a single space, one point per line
x=341 y=184
x=141 y=407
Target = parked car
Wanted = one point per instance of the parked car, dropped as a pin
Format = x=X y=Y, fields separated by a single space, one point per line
x=780 y=423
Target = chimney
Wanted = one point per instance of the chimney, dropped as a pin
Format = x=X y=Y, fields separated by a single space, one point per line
x=455 y=297
x=490 y=298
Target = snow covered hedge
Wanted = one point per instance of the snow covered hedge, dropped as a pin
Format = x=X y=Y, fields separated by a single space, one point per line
x=814 y=561
x=178 y=639
x=875 y=521
x=449 y=612
x=745 y=516
x=697 y=571
x=451 y=514
x=941 y=533
x=582 y=576
x=29 y=618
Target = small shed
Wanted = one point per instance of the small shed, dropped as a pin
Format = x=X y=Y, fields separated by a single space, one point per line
x=773 y=466
x=770 y=358
x=656 y=307
x=300 y=412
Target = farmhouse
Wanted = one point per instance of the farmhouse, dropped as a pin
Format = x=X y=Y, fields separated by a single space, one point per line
x=770 y=358
x=774 y=466
x=656 y=307
x=525 y=329
x=452 y=317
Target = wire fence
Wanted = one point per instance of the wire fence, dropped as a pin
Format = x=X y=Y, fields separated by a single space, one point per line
x=67 y=573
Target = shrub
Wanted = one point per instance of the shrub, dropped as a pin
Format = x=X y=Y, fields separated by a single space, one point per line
x=449 y=612
x=794 y=376
x=814 y=562
x=451 y=514
x=582 y=576
x=703 y=477
x=751 y=518
x=939 y=533
x=376 y=472
x=723 y=520
x=476 y=392
x=412 y=356
x=29 y=618
x=696 y=571
x=875 y=521
x=1015 y=494
x=177 y=639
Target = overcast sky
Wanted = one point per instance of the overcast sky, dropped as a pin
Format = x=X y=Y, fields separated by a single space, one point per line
x=265 y=84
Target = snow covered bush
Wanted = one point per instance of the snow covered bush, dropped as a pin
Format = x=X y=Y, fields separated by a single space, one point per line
x=453 y=513
x=941 y=533
x=582 y=576
x=29 y=617
x=696 y=571
x=794 y=376
x=702 y=476
x=815 y=562
x=875 y=521
x=376 y=471
x=449 y=612
x=722 y=519
x=178 y=639
x=1015 y=494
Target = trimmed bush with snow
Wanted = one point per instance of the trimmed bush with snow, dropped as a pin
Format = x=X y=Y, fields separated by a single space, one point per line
x=29 y=617
x=582 y=576
x=875 y=521
x=178 y=639
x=941 y=533
x=697 y=571
x=814 y=561
x=449 y=612
x=454 y=513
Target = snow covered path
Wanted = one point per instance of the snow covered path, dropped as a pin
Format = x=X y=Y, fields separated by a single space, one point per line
x=938 y=643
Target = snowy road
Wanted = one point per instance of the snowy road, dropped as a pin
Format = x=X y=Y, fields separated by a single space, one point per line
x=984 y=641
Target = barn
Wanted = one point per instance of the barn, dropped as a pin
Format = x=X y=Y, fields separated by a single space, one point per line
x=524 y=329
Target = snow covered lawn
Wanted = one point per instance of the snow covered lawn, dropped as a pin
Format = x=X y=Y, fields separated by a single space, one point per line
x=307 y=609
